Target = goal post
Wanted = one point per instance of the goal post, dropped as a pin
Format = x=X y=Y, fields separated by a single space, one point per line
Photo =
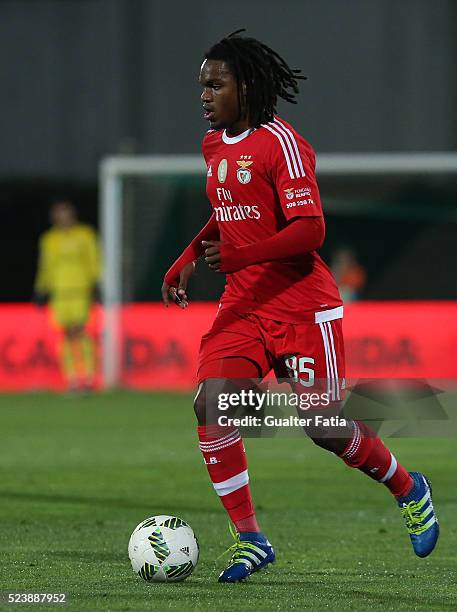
x=115 y=171
x=112 y=171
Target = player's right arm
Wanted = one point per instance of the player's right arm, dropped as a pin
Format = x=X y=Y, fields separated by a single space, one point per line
x=177 y=277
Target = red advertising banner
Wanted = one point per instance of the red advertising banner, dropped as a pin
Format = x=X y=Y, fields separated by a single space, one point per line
x=29 y=348
x=159 y=346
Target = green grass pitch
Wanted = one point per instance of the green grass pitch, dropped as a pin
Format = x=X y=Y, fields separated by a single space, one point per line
x=77 y=475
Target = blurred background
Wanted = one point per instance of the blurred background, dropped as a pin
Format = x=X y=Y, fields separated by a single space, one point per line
x=83 y=80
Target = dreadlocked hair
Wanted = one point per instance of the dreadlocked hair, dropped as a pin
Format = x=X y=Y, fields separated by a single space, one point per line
x=261 y=74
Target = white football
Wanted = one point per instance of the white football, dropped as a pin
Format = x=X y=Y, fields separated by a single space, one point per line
x=163 y=549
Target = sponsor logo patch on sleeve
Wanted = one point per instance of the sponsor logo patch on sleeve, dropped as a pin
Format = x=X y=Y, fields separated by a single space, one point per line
x=301 y=196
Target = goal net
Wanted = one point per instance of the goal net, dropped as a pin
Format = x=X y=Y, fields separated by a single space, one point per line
x=394 y=213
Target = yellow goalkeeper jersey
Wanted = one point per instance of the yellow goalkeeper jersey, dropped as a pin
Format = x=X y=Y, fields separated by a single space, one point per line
x=69 y=260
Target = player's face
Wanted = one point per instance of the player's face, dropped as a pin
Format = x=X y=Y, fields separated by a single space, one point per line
x=220 y=97
x=63 y=214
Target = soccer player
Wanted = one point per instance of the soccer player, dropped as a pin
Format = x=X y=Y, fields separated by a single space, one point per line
x=281 y=308
x=68 y=273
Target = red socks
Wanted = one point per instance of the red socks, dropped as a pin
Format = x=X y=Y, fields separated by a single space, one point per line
x=367 y=453
x=225 y=458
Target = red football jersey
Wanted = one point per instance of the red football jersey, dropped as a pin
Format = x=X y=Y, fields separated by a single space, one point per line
x=256 y=182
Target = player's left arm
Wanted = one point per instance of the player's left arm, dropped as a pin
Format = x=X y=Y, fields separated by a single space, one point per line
x=301 y=235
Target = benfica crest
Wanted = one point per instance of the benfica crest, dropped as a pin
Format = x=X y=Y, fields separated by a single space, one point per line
x=289 y=193
x=243 y=173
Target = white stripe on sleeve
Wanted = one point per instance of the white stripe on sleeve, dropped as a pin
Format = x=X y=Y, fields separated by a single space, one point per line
x=294 y=143
x=278 y=127
x=286 y=154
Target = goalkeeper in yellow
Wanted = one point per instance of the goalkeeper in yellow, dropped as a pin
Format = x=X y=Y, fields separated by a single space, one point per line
x=67 y=276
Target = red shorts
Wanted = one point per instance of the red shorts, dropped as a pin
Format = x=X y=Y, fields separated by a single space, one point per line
x=310 y=353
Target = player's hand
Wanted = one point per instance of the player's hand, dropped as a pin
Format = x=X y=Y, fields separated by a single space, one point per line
x=178 y=294
x=224 y=257
x=213 y=254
